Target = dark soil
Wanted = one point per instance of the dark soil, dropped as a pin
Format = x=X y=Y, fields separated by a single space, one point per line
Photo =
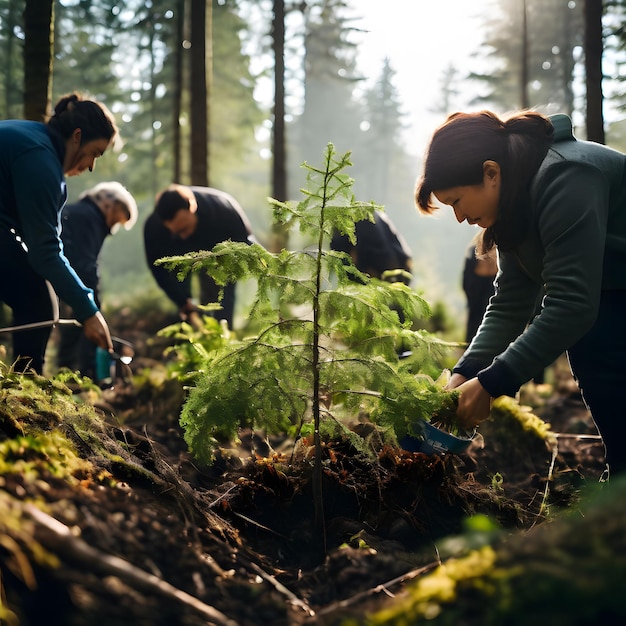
x=241 y=542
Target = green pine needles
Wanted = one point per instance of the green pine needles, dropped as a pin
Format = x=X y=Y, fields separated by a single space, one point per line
x=325 y=348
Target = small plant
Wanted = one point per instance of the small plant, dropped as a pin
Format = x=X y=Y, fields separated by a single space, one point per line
x=192 y=344
x=324 y=352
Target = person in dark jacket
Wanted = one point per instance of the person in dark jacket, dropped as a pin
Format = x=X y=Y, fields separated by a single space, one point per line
x=188 y=219
x=479 y=273
x=99 y=212
x=380 y=250
x=35 y=157
x=555 y=207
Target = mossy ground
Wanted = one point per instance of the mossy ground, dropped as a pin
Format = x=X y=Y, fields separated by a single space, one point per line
x=240 y=535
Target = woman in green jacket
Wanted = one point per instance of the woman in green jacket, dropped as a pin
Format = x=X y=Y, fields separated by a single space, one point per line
x=555 y=208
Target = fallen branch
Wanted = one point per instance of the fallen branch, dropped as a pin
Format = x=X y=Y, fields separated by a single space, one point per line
x=257 y=524
x=57 y=536
x=575 y=436
x=384 y=587
x=546 y=491
x=293 y=599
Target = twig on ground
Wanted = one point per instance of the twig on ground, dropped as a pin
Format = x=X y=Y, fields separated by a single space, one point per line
x=384 y=587
x=249 y=520
x=293 y=599
x=546 y=491
x=57 y=536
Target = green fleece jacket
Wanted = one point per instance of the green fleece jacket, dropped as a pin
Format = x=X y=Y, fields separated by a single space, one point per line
x=574 y=248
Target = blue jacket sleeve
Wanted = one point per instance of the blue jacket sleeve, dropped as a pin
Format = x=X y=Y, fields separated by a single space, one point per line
x=83 y=233
x=40 y=193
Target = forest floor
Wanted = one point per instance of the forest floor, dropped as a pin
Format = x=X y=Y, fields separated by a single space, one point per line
x=149 y=537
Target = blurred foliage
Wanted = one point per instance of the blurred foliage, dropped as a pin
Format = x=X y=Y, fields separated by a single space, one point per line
x=192 y=344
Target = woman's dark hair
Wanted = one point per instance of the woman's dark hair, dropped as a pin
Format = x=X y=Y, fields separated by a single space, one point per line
x=461 y=145
x=93 y=118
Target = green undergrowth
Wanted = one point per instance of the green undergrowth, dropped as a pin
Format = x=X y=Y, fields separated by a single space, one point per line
x=34 y=414
x=49 y=427
x=47 y=434
x=515 y=420
x=192 y=345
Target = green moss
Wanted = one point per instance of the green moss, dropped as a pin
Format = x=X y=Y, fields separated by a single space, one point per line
x=34 y=401
x=43 y=422
x=41 y=455
x=511 y=417
x=427 y=599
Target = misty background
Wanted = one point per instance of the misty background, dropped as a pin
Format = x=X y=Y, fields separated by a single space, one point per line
x=374 y=78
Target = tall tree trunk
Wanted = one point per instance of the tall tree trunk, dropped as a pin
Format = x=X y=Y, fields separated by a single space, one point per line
x=38 y=56
x=178 y=87
x=12 y=99
x=209 y=79
x=524 y=99
x=154 y=182
x=200 y=38
x=593 y=70
x=279 y=163
x=568 y=61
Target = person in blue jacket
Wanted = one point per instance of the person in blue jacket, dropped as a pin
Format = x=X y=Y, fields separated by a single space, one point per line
x=188 y=219
x=35 y=157
x=98 y=213
x=555 y=208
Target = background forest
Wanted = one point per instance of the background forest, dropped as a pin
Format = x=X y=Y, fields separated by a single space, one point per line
x=186 y=80
x=256 y=504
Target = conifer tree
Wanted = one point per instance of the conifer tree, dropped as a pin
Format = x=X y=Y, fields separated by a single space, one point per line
x=555 y=31
x=321 y=352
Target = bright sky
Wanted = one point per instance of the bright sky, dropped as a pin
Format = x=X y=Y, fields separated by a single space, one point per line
x=422 y=38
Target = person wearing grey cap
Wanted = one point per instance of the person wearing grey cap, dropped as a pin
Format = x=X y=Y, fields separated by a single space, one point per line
x=98 y=213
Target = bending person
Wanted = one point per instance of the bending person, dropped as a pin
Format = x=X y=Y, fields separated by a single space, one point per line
x=99 y=212
x=190 y=219
x=35 y=157
x=380 y=250
x=479 y=273
x=556 y=209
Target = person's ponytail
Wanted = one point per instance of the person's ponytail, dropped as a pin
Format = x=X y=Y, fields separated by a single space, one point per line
x=72 y=111
x=529 y=137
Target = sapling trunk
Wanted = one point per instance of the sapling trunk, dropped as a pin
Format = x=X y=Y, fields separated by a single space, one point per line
x=318 y=496
x=293 y=374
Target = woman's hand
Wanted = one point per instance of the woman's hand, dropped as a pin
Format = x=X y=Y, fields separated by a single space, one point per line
x=96 y=330
x=474 y=402
x=455 y=381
